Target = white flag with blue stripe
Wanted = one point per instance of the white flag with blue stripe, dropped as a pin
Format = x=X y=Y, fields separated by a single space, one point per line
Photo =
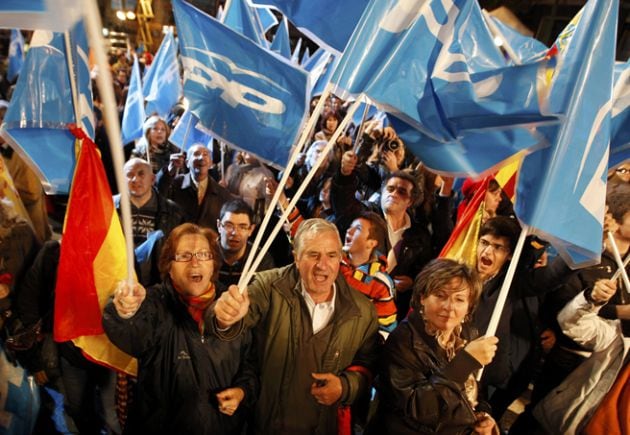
x=162 y=86
x=16 y=54
x=134 y=114
x=42 y=107
x=328 y=22
x=241 y=92
x=620 y=115
x=561 y=189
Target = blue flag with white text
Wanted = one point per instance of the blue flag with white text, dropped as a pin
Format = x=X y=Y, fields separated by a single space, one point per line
x=16 y=54
x=620 y=115
x=243 y=94
x=42 y=107
x=328 y=22
x=134 y=114
x=162 y=85
x=189 y=132
x=242 y=18
x=561 y=189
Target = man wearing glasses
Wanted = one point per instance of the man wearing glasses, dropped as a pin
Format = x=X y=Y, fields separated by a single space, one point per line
x=410 y=244
x=235 y=228
x=518 y=331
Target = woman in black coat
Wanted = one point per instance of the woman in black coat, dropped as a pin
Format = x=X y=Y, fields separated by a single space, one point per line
x=188 y=380
x=426 y=382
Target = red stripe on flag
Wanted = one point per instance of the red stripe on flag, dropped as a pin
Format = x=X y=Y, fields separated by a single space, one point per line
x=88 y=217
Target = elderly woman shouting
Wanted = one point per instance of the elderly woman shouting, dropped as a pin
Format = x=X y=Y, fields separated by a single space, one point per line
x=188 y=381
x=426 y=383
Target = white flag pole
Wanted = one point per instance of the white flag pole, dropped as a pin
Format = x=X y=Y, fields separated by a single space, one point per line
x=310 y=124
x=505 y=288
x=620 y=264
x=245 y=278
x=110 y=115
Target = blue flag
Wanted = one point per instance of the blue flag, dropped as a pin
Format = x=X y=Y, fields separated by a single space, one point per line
x=189 y=132
x=53 y=15
x=133 y=115
x=42 y=108
x=16 y=54
x=281 y=43
x=266 y=17
x=243 y=94
x=382 y=25
x=328 y=22
x=525 y=48
x=620 y=116
x=305 y=57
x=319 y=83
x=561 y=189
x=162 y=86
x=295 y=56
x=242 y=18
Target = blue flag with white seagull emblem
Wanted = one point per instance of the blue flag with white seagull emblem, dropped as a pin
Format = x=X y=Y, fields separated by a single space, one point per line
x=241 y=92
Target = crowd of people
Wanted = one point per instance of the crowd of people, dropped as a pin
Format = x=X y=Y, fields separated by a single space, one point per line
x=351 y=324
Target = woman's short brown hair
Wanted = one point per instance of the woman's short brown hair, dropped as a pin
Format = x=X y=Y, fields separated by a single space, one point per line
x=170 y=247
x=438 y=273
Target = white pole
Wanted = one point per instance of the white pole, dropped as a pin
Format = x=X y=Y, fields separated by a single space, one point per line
x=245 y=278
x=110 y=114
x=310 y=124
x=505 y=288
x=73 y=80
x=619 y=261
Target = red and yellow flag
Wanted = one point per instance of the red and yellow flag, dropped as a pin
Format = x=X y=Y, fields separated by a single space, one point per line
x=462 y=245
x=93 y=259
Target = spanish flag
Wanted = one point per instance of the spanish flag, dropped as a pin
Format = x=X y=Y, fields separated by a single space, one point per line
x=93 y=260
x=462 y=245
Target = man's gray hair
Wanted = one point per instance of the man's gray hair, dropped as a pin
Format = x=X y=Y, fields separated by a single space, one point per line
x=311 y=228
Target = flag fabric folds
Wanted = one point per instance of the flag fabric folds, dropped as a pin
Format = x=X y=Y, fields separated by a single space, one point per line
x=266 y=17
x=243 y=19
x=562 y=188
x=243 y=94
x=43 y=106
x=189 y=132
x=620 y=115
x=92 y=262
x=281 y=43
x=162 y=86
x=524 y=47
x=328 y=22
x=133 y=115
x=16 y=54
x=53 y=15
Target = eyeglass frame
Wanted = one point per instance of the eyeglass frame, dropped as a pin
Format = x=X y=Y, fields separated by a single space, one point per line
x=485 y=244
x=179 y=259
x=230 y=227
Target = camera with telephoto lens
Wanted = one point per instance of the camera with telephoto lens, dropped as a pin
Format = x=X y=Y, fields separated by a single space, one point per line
x=391 y=144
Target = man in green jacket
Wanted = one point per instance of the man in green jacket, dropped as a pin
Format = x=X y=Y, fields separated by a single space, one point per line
x=317 y=338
